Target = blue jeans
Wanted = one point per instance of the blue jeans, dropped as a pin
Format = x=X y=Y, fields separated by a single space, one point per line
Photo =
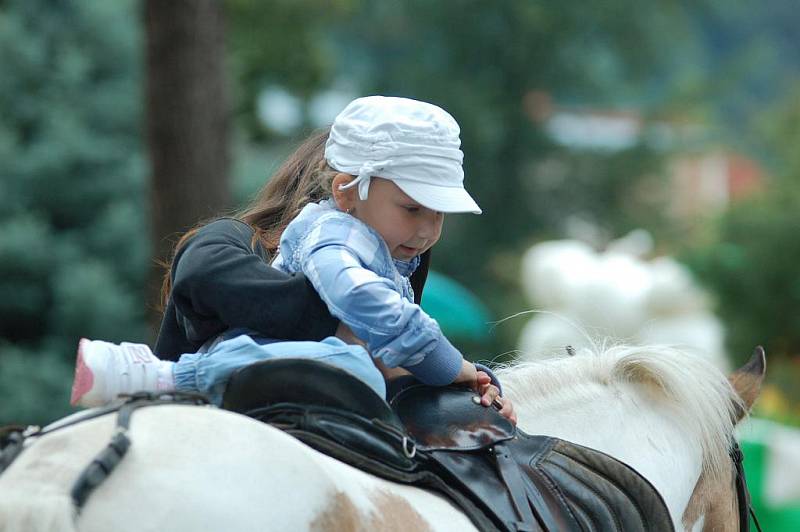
x=208 y=372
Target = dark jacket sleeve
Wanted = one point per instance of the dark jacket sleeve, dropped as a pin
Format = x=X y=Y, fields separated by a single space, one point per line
x=219 y=282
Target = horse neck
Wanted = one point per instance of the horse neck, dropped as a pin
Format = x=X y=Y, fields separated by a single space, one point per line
x=625 y=423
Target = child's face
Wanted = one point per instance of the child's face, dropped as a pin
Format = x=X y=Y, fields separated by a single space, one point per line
x=408 y=228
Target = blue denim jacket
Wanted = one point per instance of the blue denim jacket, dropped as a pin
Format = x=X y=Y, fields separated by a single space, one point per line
x=351 y=267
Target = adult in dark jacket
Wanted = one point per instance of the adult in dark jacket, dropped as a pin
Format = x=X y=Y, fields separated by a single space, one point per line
x=221 y=280
x=220 y=277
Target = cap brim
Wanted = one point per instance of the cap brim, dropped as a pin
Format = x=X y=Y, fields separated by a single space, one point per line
x=442 y=199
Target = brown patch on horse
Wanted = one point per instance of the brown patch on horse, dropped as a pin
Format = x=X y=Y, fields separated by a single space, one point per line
x=341 y=515
x=392 y=514
x=714 y=500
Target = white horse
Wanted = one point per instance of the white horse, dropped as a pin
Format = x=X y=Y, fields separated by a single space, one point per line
x=667 y=414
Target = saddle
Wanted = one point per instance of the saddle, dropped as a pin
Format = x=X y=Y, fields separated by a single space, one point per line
x=438 y=438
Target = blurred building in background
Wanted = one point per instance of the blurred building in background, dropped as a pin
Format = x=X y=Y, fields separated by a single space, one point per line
x=702 y=177
x=706 y=183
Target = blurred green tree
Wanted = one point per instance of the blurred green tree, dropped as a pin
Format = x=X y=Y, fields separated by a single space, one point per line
x=73 y=244
x=750 y=258
x=283 y=43
x=752 y=269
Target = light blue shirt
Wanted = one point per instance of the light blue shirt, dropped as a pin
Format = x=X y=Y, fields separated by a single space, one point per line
x=353 y=271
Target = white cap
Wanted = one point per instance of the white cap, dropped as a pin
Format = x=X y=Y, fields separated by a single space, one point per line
x=412 y=143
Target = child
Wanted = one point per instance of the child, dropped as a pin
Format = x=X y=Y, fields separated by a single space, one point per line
x=393 y=167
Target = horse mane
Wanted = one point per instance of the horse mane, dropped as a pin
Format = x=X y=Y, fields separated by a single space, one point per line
x=701 y=397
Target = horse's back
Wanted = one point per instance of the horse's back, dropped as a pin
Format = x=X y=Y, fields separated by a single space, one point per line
x=200 y=468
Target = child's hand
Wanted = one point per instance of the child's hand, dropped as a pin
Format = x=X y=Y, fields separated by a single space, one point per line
x=468 y=375
x=490 y=394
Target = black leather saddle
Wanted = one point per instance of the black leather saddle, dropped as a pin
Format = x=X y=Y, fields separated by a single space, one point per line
x=440 y=439
x=323 y=406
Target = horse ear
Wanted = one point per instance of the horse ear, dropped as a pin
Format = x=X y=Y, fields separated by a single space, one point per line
x=747 y=379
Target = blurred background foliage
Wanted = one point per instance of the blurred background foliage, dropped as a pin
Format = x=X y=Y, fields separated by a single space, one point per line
x=73 y=247
x=682 y=80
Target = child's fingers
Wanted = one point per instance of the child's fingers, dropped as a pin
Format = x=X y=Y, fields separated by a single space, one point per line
x=483 y=377
x=488 y=392
x=490 y=395
x=507 y=409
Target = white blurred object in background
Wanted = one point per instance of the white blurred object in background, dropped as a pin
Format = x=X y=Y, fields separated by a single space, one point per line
x=585 y=294
x=279 y=110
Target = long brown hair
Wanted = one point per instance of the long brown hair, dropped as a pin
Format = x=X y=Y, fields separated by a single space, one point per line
x=303 y=178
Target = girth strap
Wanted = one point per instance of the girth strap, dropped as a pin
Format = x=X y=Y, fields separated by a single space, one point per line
x=512 y=478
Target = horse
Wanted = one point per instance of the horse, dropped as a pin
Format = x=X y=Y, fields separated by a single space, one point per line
x=668 y=414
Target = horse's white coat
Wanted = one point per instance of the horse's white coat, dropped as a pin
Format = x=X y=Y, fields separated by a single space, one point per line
x=194 y=469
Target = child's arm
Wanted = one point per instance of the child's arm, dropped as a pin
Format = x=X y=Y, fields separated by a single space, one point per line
x=395 y=330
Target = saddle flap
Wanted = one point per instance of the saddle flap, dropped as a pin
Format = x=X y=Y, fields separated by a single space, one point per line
x=447 y=418
x=303 y=382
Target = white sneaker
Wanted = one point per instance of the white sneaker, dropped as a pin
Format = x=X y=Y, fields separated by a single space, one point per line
x=104 y=370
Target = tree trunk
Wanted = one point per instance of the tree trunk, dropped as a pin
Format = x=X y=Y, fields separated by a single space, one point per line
x=186 y=120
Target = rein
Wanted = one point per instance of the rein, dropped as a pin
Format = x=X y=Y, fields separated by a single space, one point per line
x=746 y=510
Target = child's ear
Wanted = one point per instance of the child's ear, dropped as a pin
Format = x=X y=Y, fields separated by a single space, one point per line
x=345 y=199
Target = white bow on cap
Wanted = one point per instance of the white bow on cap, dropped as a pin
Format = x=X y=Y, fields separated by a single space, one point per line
x=362 y=180
x=414 y=144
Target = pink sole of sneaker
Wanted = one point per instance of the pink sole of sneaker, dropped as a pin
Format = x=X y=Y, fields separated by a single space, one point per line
x=83 y=376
